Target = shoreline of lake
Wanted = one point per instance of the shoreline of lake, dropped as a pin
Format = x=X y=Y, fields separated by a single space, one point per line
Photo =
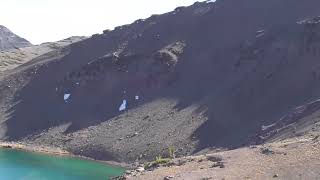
x=20 y=164
x=56 y=152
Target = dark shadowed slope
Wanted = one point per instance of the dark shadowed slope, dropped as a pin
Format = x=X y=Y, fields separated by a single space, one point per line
x=9 y=40
x=208 y=75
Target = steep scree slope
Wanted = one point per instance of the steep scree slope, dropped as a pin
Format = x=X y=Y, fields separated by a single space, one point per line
x=208 y=75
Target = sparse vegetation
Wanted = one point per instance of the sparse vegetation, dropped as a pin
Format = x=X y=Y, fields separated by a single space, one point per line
x=159 y=160
x=171 y=152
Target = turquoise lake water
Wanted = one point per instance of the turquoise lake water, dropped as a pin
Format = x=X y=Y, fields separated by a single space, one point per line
x=19 y=165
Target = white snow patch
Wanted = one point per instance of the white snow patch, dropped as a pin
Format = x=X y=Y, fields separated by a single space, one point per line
x=210 y=1
x=115 y=54
x=263 y=127
x=260 y=31
x=136 y=97
x=318 y=100
x=66 y=97
x=123 y=106
x=259 y=35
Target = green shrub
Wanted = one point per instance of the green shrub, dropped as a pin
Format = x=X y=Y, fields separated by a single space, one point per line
x=158 y=161
x=171 y=152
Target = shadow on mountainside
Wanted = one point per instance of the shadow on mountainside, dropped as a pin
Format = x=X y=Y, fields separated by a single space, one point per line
x=239 y=81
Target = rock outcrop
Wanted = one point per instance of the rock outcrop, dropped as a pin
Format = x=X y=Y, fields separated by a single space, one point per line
x=9 y=40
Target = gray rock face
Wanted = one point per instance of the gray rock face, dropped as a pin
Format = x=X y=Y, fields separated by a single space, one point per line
x=9 y=40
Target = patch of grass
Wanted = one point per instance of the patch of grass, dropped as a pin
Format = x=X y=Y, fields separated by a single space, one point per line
x=171 y=152
x=158 y=161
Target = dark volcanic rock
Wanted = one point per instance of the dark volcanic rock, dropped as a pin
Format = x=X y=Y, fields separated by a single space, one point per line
x=9 y=40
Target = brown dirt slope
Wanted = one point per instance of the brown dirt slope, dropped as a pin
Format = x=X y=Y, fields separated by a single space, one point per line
x=293 y=159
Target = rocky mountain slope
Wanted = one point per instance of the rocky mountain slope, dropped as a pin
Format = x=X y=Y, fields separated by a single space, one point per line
x=220 y=75
x=295 y=157
x=9 y=40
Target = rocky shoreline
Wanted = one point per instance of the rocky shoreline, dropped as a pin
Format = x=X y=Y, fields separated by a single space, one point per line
x=55 y=152
x=28 y=148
